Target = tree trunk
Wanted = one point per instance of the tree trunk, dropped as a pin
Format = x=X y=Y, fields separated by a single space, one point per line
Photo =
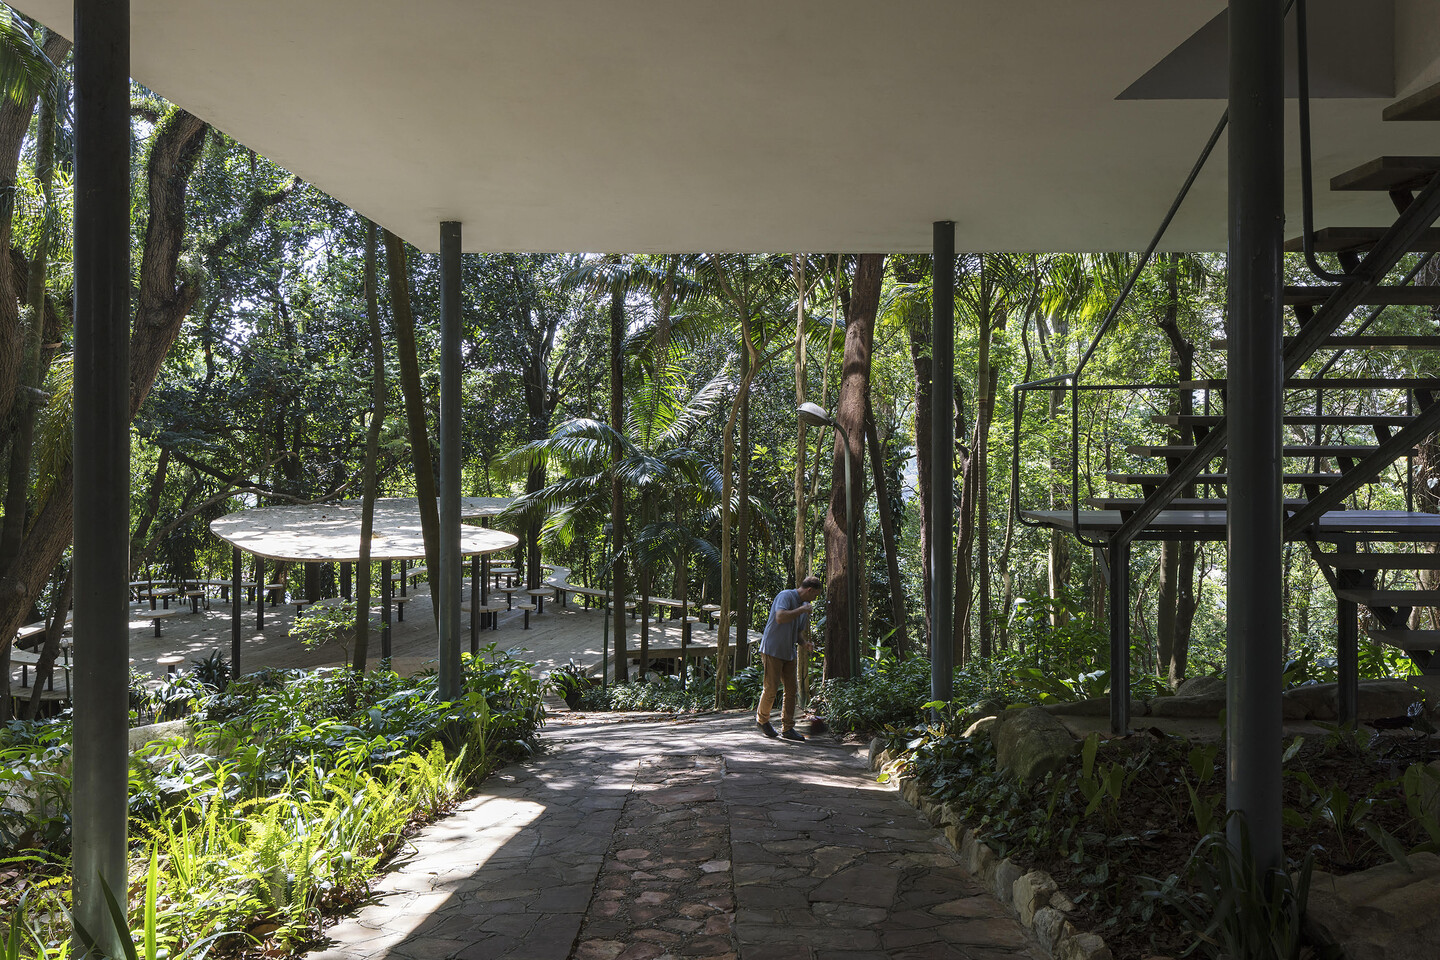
x=410 y=388
x=1175 y=600
x=742 y=551
x=378 y=396
x=887 y=530
x=617 y=487
x=51 y=647
x=850 y=414
x=917 y=323
x=161 y=305
x=150 y=510
x=802 y=503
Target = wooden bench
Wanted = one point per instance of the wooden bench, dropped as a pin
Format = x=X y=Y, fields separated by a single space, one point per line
x=153 y=618
x=170 y=662
x=27 y=659
x=195 y=597
x=400 y=606
x=162 y=593
x=527 y=607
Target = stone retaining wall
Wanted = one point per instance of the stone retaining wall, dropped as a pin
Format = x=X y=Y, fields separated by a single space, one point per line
x=1032 y=896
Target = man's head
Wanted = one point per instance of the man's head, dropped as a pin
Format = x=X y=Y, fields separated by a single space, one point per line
x=809 y=588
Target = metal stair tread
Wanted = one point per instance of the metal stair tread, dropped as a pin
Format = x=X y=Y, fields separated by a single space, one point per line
x=1392 y=341
x=1377 y=296
x=1388 y=173
x=1303 y=420
x=1147 y=479
x=1407 y=639
x=1289 y=450
x=1383 y=561
x=1370 y=597
x=1355 y=239
x=1421 y=105
x=1330 y=383
x=1179 y=503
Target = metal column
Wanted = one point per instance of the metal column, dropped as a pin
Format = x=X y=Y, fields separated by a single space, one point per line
x=1347 y=655
x=237 y=576
x=450 y=560
x=475 y=605
x=345 y=590
x=942 y=462
x=259 y=594
x=1119 y=636
x=385 y=589
x=1256 y=378
x=102 y=460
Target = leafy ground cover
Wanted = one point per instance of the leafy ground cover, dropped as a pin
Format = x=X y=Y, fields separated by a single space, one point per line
x=292 y=791
x=665 y=693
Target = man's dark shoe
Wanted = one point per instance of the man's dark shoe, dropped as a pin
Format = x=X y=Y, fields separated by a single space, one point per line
x=792 y=734
x=767 y=729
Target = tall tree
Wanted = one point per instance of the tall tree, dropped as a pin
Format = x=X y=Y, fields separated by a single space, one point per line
x=378 y=393
x=854 y=388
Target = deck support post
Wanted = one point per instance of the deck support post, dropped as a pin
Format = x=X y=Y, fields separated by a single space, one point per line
x=259 y=594
x=237 y=577
x=345 y=575
x=1119 y=636
x=102 y=462
x=1256 y=386
x=1347 y=656
x=385 y=592
x=448 y=611
x=475 y=605
x=942 y=462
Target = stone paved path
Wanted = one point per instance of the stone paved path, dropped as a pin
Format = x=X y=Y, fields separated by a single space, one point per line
x=688 y=839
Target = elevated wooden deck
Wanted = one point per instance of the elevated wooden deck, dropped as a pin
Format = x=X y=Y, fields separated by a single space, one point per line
x=1210 y=524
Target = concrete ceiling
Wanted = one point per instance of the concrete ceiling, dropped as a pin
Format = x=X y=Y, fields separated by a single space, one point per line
x=741 y=125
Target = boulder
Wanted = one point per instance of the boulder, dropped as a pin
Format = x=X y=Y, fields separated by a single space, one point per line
x=1383 y=913
x=1031 y=743
x=1378 y=698
x=1083 y=946
x=1098 y=707
x=1206 y=707
x=981 y=727
x=169 y=730
x=1002 y=881
x=1051 y=928
x=1202 y=687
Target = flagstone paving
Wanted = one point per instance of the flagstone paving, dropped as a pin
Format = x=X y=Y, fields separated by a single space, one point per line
x=694 y=839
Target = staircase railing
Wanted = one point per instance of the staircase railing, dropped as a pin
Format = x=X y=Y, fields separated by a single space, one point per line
x=1071 y=381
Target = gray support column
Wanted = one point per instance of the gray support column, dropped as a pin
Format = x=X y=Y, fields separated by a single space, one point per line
x=102 y=459
x=237 y=576
x=475 y=605
x=259 y=594
x=345 y=590
x=385 y=589
x=1119 y=636
x=450 y=568
x=1256 y=379
x=942 y=462
x=1347 y=655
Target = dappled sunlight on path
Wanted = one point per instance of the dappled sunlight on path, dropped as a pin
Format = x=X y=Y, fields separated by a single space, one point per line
x=693 y=838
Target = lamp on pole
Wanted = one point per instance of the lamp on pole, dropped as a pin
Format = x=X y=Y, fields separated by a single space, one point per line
x=815 y=416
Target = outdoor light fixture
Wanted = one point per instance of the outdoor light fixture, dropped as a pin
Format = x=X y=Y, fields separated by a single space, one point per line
x=815 y=416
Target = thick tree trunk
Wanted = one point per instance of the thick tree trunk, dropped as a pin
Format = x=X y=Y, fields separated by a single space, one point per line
x=742 y=550
x=161 y=305
x=410 y=388
x=850 y=414
x=887 y=530
x=378 y=395
x=150 y=510
x=917 y=323
x=618 y=585
x=802 y=503
x=1175 y=599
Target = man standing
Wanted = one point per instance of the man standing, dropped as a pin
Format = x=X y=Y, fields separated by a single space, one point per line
x=789 y=615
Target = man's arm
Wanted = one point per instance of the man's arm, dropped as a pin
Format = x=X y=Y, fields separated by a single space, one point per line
x=785 y=616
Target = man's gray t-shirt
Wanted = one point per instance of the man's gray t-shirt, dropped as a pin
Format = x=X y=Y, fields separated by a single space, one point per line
x=780 y=639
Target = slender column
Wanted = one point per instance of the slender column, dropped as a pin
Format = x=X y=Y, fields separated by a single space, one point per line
x=942 y=462
x=1347 y=656
x=474 y=604
x=237 y=576
x=102 y=459
x=1256 y=379
x=259 y=593
x=345 y=589
x=1119 y=636
x=450 y=569
x=385 y=610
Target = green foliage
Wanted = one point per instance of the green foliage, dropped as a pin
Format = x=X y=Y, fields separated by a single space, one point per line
x=328 y=623
x=1240 y=911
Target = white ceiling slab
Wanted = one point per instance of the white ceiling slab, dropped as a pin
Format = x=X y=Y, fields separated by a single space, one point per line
x=740 y=125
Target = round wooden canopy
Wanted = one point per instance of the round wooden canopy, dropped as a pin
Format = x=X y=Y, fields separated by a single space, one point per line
x=330 y=532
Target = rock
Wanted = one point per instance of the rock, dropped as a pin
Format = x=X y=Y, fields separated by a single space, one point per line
x=1033 y=892
x=877 y=746
x=1031 y=743
x=1062 y=903
x=1083 y=946
x=1051 y=927
x=951 y=815
x=1383 y=913
x=955 y=836
x=1002 y=883
x=981 y=727
x=1206 y=708
x=1378 y=698
x=1098 y=707
x=1202 y=687
x=169 y=730
x=910 y=790
x=975 y=856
